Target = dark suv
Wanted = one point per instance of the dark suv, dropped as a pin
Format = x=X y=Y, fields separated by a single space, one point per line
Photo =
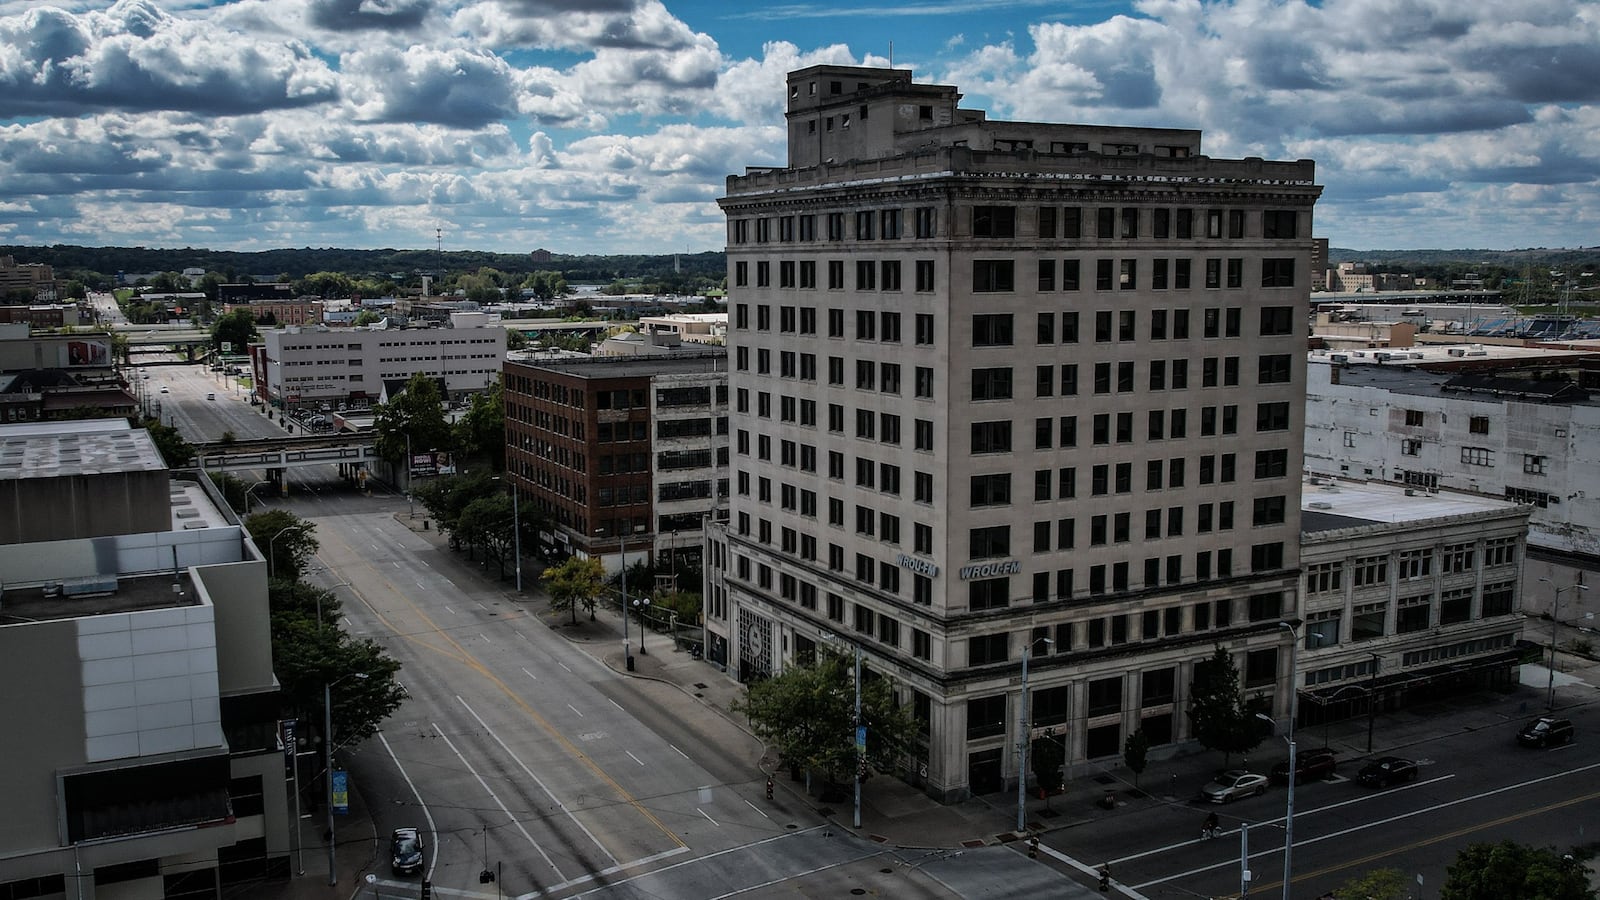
x=1311 y=765
x=1545 y=731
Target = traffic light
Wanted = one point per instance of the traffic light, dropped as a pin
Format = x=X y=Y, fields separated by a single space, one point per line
x=1033 y=847
x=769 y=788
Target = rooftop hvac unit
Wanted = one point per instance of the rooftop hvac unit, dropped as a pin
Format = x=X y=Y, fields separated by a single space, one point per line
x=1320 y=504
x=1457 y=351
x=90 y=586
x=1478 y=352
x=1340 y=357
x=1383 y=357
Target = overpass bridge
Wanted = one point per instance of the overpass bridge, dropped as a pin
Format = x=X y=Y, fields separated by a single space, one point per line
x=289 y=452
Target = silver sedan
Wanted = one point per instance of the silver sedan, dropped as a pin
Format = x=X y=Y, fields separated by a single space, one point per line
x=1233 y=784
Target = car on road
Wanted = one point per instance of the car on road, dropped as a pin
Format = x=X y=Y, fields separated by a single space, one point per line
x=1545 y=731
x=1387 y=770
x=1231 y=785
x=211 y=395
x=164 y=389
x=1310 y=765
x=405 y=851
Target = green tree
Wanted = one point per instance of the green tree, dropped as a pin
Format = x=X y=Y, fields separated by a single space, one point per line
x=418 y=412
x=447 y=497
x=366 y=317
x=515 y=339
x=807 y=713
x=307 y=655
x=175 y=451
x=1218 y=711
x=1509 y=869
x=288 y=541
x=482 y=430
x=487 y=522
x=1379 y=884
x=1136 y=754
x=573 y=583
x=237 y=329
x=1048 y=760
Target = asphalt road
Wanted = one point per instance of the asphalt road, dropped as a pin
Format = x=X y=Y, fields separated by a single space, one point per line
x=520 y=753
x=1472 y=787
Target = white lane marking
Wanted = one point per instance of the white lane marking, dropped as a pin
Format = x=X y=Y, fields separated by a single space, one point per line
x=680 y=752
x=449 y=610
x=616 y=704
x=548 y=793
x=495 y=797
x=754 y=807
x=530 y=674
x=1091 y=872
x=396 y=565
x=1417 y=812
x=519 y=634
x=481 y=606
x=708 y=818
x=448 y=581
x=634 y=758
x=1276 y=822
x=609 y=870
x=424 y=563
x=575 y=709
x=377 y=548
x=485 y=638
x=562 y=665
x=420 y=584
x=433 y=830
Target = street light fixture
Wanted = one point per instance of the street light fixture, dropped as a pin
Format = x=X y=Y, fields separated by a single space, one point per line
x=1024 y=731
x=272 y=556
x=1555 y=626
x=250 y=492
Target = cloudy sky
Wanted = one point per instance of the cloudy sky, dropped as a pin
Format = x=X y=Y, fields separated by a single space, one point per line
x=609 y=125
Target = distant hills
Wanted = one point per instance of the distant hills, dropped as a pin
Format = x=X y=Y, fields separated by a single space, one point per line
x=299 y=263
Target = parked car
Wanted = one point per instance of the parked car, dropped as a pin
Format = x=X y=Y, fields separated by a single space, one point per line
x=211 y=395
x=405 y=851
x=1231 y=785
x=1310 y=765
x=1545 y=731
x=1387 y=770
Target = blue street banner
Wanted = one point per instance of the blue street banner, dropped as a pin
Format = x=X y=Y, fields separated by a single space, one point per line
x=287 y=735
x=341 y=792
x=861 y=738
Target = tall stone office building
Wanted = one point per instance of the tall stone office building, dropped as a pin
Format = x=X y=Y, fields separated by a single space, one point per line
x=1007 y=388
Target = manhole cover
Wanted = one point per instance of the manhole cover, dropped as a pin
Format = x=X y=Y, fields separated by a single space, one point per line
x=699 y=685
x=887 y=871
x=858 y=892
x=791 y=826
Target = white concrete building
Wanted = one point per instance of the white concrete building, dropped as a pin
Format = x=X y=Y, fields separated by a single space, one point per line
x=1407 y=595
x=303 y=366
x=1006 y=389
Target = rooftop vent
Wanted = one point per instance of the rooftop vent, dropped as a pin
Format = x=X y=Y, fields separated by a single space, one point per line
x=1320 y=504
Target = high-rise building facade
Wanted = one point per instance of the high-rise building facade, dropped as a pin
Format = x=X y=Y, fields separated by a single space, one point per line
x=1006 y=388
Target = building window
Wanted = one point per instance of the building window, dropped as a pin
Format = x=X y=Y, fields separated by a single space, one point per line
x=992 y=275
x=1534 y=465
x=994 y=221
x=991 y=330
x=1477 y=456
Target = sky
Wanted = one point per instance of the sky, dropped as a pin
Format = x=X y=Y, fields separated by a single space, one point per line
x=610 y=126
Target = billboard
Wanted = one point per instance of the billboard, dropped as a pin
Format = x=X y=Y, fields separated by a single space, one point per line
x=88 y=353
x=432 y=463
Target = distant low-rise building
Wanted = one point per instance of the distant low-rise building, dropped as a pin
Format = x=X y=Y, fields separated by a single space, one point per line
x=691 y=328
x=297 y=367
x=281 y=312
x=34 y=280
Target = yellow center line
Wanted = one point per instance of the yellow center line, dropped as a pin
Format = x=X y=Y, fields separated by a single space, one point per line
x=465 y=657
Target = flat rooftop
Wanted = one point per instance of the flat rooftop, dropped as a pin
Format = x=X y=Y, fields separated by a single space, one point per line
x=1330 y=504
x=95 y=596
x=60 y=449
x=1431 y=354
x=686 y=363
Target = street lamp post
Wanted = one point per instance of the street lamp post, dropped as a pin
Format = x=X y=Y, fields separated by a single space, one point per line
x=250 y=492
x=1294 y=711
x=516 y=533
x=627 y=648
x=327 y=750
x=1372 y=696
x=411 y=504
x=1555 y=626
x=642 y=606
x=1024 y=731
x=272 y=556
